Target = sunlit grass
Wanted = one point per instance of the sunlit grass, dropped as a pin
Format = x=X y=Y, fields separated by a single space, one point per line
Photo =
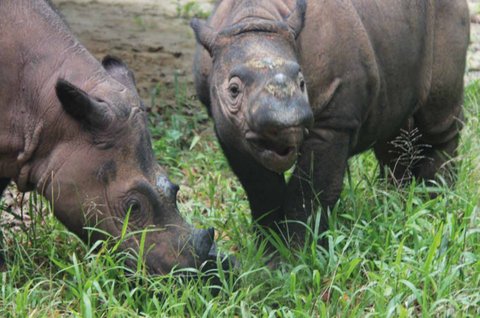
x=391 y=253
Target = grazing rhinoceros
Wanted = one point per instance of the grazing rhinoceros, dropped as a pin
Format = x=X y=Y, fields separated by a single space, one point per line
x=76 y=131
x=318 y=81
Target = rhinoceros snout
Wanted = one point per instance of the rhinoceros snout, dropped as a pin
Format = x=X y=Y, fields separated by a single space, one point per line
x=271 y=114
x=202 y=243
x=277 y=150
x=277 y=128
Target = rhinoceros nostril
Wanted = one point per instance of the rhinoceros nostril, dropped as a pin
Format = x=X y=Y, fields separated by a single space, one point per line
x=175 y=188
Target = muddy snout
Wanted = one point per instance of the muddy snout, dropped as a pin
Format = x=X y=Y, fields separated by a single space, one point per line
x=279 y=106
x=202 y=241
x=207 y=253
x=278 y=121
x=278 y=132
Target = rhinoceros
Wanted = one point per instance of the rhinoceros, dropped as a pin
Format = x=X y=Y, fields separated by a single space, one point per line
x=314 y=82
x=76 y=131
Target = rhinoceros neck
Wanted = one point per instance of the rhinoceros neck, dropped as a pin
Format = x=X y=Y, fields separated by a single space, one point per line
x=39 y=49
x=230 y=12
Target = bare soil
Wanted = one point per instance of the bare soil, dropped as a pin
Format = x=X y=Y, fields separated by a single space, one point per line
x=149 y=35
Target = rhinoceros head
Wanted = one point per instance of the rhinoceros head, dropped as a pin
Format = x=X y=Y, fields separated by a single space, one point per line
x=104 y=169
x=257 y=91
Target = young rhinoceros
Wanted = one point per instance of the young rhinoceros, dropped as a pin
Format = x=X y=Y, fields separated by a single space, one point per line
x=371 y=68
x=76 y=131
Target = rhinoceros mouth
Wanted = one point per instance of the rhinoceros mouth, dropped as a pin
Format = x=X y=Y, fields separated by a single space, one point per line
x=277 y=152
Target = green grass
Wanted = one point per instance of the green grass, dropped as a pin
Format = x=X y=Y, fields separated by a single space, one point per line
x=392 y=252
x=191 y=9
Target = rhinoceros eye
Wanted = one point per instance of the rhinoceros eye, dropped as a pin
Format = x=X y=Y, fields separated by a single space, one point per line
x=139 y=209
x=134 y=206
x=235 y=87
x=138 y=204
x=234 y=90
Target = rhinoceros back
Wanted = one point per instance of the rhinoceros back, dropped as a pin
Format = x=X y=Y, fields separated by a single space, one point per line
x=383 y=54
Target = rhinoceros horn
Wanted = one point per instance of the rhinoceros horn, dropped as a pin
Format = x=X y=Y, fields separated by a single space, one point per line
x=81 y=106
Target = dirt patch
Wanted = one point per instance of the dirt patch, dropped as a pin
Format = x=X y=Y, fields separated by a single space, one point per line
x=148 y=35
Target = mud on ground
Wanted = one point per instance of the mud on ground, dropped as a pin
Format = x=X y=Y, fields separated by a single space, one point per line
x=152 y=36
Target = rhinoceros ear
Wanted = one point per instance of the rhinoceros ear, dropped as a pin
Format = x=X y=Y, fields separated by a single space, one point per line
x=78 y=104
x=296 y=20
x=119 y=71
x=205 y=35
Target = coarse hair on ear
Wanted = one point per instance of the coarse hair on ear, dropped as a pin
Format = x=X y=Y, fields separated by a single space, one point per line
x=118 y=70
x=92 y=113
x=296 y=20
x=204 y=34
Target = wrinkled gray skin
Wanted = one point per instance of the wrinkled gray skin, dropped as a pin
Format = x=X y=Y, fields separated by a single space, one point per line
x=371 y=68
x=76 y=131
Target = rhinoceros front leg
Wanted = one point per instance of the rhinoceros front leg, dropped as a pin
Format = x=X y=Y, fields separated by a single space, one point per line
x=265 y=189
x=316 y=181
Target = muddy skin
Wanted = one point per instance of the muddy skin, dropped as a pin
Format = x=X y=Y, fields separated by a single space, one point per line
x=370 y=68
x=76 y=131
